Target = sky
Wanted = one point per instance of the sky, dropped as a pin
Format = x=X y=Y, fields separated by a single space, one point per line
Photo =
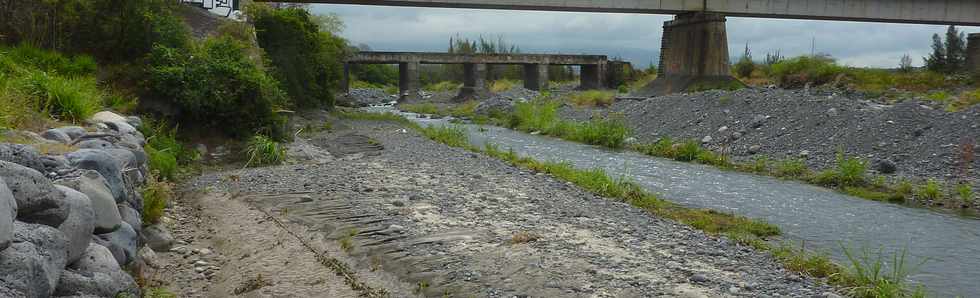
x=633 y=37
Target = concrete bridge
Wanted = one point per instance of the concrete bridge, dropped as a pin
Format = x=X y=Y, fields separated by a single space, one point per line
x=594 y=69
x=694 y=50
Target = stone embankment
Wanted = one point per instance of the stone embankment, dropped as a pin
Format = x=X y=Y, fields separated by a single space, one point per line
x=70 y=224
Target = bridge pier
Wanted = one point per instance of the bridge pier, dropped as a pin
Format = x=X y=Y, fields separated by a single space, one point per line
x=694 y=56
x=591 y=77
x=408 y=81
x=536 y=77
x=345 y=80
x=474 y=81
x=973 y=54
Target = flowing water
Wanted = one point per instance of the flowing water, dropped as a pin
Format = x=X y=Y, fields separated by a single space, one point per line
x=822 y=219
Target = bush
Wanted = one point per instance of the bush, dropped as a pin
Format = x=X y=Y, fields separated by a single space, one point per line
x=73 y=99
x=162 y=162
x=851 y=170
x=932 y=190
x=793 y=168
x=611 y=133
x=307 y=61
x=502 y=85
x=155 y=196
x=264 y=151
x=799 y=71
x=593 y=98
x=966 y=192
x=217 y=86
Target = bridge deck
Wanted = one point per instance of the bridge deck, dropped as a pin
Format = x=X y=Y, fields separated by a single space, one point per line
x=951 y=12
x=448 y=58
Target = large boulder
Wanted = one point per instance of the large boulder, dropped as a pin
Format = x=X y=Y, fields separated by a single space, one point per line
x=24 y=155
x=91 y=183
x=73 y=132
x=37 y=199
x=95 y=144
x=79 y=225
x=33 y=263
x=132 y=169
x=117 y=252
x=106 y=116
x=105 y=164
x=97 y=273
x=124 y=238
x=158 y=238
x=56 y=135
x=8 y=212
x=131 y=216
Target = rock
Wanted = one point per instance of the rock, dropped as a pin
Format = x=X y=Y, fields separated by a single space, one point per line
x=73 y=132
x=158 y=238
x=723 y=129
x=117 y=252
x=105 y=164
x=91 y=183
x=830 y=295
x=34 y=261
x=706 y=139
x=8 y=212
x=699 y=278
x=804 y=153
x=131 y=216
x=23 y=155
x=54 y=163
x=37 y=199
x=736 y=135
x=630 y=141
x=149 y=257
x=758 y=121
x=884 y=166
x=95 y=144
x=79 y=225
x=124 y=238
x=832 y=112
x=56 y=135
x=132 y=169
x=106 y=116
x=754 y=149
x=201 y=149
x=97 y=284
x=123 y=128
x=96 y=258
x=135 y=121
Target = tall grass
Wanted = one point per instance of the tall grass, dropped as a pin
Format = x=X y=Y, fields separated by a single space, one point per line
x=444 y=86
x=541 y=115
x=503 y=85
x=932 y=190
x=870 y=276
x=155 y=193
x=74 y=99
x=47 y=82
x=264 y=151
x=452 y=135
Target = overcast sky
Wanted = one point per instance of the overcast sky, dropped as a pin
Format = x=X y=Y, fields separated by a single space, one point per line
x=634 y=37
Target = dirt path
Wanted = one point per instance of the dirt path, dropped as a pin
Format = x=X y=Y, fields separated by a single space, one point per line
x=417 y=218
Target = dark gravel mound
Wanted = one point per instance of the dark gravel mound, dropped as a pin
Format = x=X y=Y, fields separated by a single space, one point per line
x=908 y=138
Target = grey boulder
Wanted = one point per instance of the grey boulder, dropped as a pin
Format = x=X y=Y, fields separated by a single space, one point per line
x=8 y=212
x=37 y=199
x=158 y=238
x=124 y=238
x=135 y=121
x=73 y=132
x=23 y=155
x=34 y=261
x=96 y=273
x=95 y=144
x=79 y=225
x=131 y=216
x=56 y=135
x=105 y=164
x=91 y=183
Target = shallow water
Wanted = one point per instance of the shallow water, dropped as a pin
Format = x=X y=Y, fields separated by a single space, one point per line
x=823 y=219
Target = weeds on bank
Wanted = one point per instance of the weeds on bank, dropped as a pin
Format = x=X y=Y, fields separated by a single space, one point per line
x=466 y=109
x=965 y=192
x=932 y=190
x=444 y=86
x=541 y=115
x=156 y=194
x=502 y=85
x=262 y=150
x=421 y=108
x=593 y=98
x=868 y=275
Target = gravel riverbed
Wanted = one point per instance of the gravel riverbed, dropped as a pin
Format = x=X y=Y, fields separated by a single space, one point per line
x=415 y=214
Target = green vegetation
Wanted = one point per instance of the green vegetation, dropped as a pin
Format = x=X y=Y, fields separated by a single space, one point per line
x=792 y=168
x=158 y=293
x=592 y=98
x=308 y=61
x=155 y=193
x=465 y=109
x=241 y=103
x=503 y=85
x=868 y=275
x=421 y=108
x=932 y=190
x=745 y=66
x=799 y=260
x=797 y=72
x=35 y=81
x=687 y=151
x=454 y=136
x=264 y=151
x=541 y=115
x=444 y=86
x=965 y=192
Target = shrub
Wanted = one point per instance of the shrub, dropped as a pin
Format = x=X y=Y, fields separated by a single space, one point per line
x=868 y=275
x=502 y=85
x=799 y=260
x=242 y=102
x=444 y=86
x=162 y=162
x=264 y=151
x=965 y=192
x=592 y=98
x=796 y=72
x=466 y=109
x=454 y=135
x=611 y=133
x=851 y=170
x=791 y=168
x=163 y=137
x=904 y=188
x=421 y=108
x=688 y=151
x=932 y=190
x=760 y=165
x=50 y=61
x=155 y=193
x=307 y=61
x=74 y=99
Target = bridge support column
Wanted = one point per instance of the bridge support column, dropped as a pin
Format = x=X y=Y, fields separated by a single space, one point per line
x=536 y=77
x=694 y=56
x=591 y=77
x=973 y=54
x=474 y=82
x=408 y=81
x=345 y=80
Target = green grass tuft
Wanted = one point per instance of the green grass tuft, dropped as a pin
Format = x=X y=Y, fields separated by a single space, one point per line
x=868 y=275
x=592 y=98
x=932 y=190
x=73 y=99
x=264 y=151
x=444 y=86
x=452 y=135
x=502 y=85
x=965 y=192
x=156 y=194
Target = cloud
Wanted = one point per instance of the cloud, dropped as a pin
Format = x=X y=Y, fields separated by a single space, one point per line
x=635 y=37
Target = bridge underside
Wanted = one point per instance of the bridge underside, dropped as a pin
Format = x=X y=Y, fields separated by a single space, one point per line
x=594 y=69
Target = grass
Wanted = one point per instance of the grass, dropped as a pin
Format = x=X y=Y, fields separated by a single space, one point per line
x=74 y=99
x=421 y=108
x=465 y=109
x=264 y=151
x=162 y=163
x=541 y=115
x=502 y=85
x=868 y=275
x=932 y=190
x=347 y=242
x=687 y=151
x=799 y=260
x=592 y=98
x=965 y=192
x=454 y=135
x=792 y=168
x=164 y=152
x=156 y=193
x=444 y=86
x=158 y=293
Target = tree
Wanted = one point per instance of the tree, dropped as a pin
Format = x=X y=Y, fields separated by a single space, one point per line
x=955 y=50
x=330 y=23
x=905 y=64
x=937 y=60
x=745 y=65
x=773 y=58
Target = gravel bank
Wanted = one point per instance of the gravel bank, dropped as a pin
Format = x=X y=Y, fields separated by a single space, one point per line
x=919 y=140
x=444 y=220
